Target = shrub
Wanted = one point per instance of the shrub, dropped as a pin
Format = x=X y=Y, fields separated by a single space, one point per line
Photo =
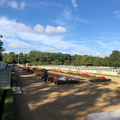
x=100 y=80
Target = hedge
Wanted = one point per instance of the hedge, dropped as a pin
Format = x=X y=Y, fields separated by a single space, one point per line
x=100 y=80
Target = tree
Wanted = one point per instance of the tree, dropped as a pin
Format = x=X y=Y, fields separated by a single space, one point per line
x=87 y=60
x=47 y=58
x=105 y=61
x=0 y=56
x=1 y=48
x=66 y=62
x=23 y=58
x=5 y=57
x=76 y=60
x=33 y=56
x=97 y=61
x=56 y=62
x=115 y=58
x=11 y=58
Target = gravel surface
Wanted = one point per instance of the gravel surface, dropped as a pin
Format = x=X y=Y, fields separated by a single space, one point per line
x=47 y=101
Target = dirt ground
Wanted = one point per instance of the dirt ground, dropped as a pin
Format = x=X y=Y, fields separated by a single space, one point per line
x=47 y=101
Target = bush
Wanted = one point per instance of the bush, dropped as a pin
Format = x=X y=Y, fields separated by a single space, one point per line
x=100 y=80
x=59 y=82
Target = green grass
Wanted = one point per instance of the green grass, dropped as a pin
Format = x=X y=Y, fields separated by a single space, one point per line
x=8 y=106
x=97 y=74
x=105 y=75
x=91 y=74
x=2 y=99
x=14 y=79
x=1 y=92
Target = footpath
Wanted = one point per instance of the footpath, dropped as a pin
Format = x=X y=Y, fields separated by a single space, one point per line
x=47 y=101
x=5 y=78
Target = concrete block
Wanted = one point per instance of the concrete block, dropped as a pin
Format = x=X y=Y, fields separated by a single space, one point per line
x=110 y=115
x=16 y=90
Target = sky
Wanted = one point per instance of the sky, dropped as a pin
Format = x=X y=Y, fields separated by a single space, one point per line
x=84 y=27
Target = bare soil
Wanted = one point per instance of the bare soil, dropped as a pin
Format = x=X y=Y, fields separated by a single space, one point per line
x=47 y=101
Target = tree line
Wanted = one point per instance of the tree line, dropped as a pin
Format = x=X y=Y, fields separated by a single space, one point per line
x=47 y=58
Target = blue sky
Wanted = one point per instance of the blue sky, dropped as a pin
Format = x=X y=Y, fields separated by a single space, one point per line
x=84 y=27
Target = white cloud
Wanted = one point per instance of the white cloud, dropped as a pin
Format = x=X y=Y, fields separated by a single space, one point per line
x=98 y=54
x=64 y=17
x=22 y=5
x=11 y=28
x=21 y=27
x=2 y=2
x=82 y=20
x=67 y=19
x=20 y=35
x=6 y=51
x=39 y=28
x=49 y=29
x=109 y=43
x=47 y=49
x=74 y=3
x=82 y=52
x=61 y=29
x=16 y=5
x=13 y=4
x=67 y=14
x=18 y=44
x=117 y=14
x=49 y=4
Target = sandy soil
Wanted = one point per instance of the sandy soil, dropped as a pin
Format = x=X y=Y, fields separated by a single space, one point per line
x=47 y=101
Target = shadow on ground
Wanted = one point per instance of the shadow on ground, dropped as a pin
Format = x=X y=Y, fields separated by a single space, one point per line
x=47 y=101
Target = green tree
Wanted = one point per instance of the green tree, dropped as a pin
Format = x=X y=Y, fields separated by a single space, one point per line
x=115 y=58
x=105 y=61
x=1 y=48
x=66 y=62
x=23 y=58
x=5 y=57
x=1 y=56
x=97 y=61
x=76 y=60
x=56 y=62
x=87 y=60
x=33 y=56
x=10 y=57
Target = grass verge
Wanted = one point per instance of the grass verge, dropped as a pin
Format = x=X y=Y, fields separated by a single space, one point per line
x=14 y=80
x=2 y=99
x=8 y=106
x=106 y=75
